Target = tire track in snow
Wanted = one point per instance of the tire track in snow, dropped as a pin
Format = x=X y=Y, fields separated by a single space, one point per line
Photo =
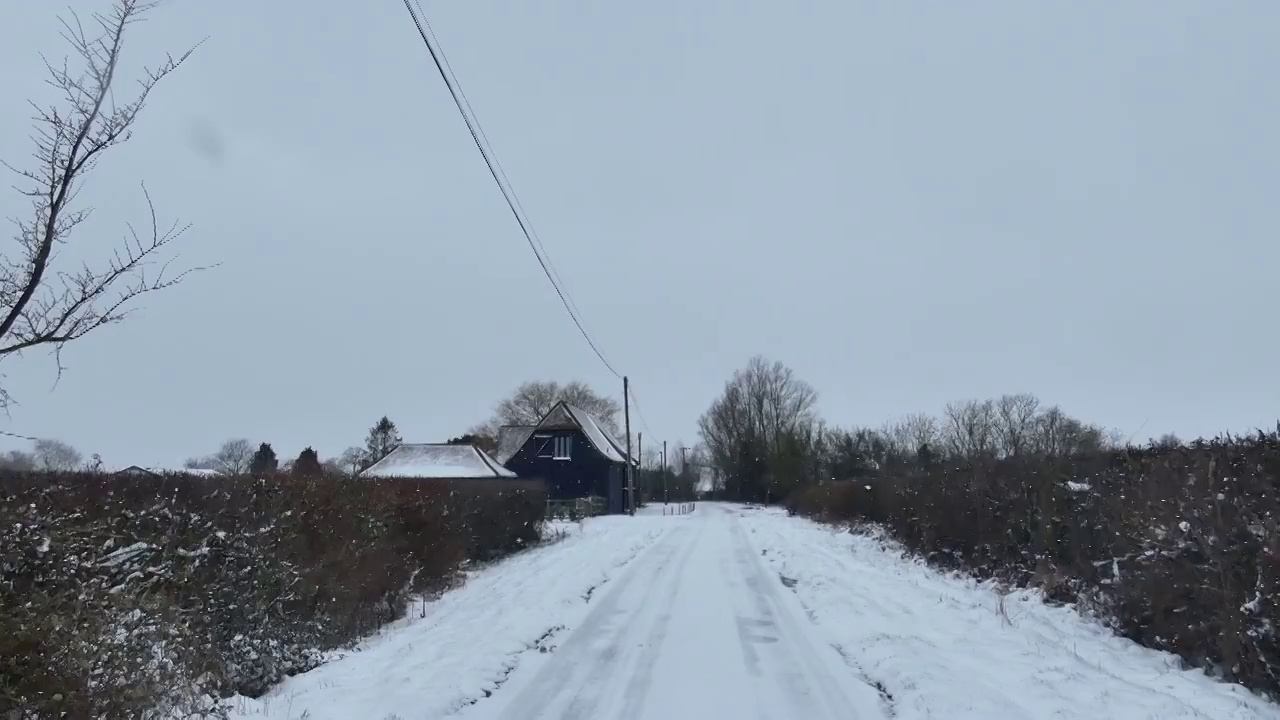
x=616 y=649
x=550 y=683
x=642 y=677
x=811 y=688
x=753 y=630
x=887 y=699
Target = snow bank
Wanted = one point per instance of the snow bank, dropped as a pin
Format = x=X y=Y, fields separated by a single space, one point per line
x=471 y=639
x=940 y=646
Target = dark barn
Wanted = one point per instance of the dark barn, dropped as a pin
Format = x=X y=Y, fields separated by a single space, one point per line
x=575 y=456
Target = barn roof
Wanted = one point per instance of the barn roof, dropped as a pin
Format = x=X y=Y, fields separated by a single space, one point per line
x=158 y=471
x=562 y=413
x=426 y=460
x=600 y=435
x=510 y=439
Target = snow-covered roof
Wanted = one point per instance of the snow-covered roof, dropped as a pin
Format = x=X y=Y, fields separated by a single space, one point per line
x=426 y=460
x=597 y=434
x=197 y=472
x=562 y=413
x=510 y=439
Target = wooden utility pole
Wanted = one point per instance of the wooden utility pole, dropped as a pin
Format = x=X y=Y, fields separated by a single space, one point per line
x=664 y=472
x=630 y=480
x=640 y=454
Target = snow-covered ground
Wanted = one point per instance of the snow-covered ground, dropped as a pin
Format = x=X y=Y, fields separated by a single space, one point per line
x=735 y=612
x=941 y=646
x=471 y=639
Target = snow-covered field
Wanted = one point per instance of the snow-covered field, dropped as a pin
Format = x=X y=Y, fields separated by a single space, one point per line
x=736 y=612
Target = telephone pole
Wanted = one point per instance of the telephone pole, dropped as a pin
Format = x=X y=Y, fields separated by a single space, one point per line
x=664 y=472
x=630 y=480
x=644 y=484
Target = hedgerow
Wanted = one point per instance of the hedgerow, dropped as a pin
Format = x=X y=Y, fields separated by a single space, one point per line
x=154 y=596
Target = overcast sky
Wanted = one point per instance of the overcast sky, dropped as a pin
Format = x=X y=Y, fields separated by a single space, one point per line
x=909 y=203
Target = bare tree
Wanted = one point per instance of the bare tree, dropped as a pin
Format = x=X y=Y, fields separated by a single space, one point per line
x=652 y=457
x=758 y=431
x=908 y=435
x=351 y=460
x=1060 y=434
x=1016 y=417
x=533 y=400
x=44 y=305
x=18 y=461
x=56 y=456
x=233 y=458
x=970 y=427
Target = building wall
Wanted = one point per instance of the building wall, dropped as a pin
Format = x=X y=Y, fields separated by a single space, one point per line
x=586 y=472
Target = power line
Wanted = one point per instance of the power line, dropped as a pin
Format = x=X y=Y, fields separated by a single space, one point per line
x=493 y=153
x=508 y=195
x=16 y=435
x=635 y=401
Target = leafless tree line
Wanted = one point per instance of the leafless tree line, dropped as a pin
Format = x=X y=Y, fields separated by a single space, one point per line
x=48 y=455
x=765 y=438
x=1008 y=426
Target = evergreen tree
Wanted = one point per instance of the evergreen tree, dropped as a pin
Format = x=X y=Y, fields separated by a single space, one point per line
x=264 y=461
x=383 y=438
x=308 y=463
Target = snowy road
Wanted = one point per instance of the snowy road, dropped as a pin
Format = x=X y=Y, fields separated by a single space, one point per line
x=696 y=627
x=742 y=613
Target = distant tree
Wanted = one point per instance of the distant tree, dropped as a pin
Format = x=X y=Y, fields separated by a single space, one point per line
x=264 y=461
x=485 y=442
x=759 y=432
x=970 y=428
x=351 y=461
x=231 y=459
x=95 y=463
x=906 y=436
x=533 y=400
x=333 y=468
x=1057 y=434
x=1167 y=441
x=854 y=454
x=383 y=438
x=308 y=464
x=926 y=456
x=17 y=461
x=1015 y=423
x=56 y=456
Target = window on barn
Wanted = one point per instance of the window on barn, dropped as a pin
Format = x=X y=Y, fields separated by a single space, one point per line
x=564 y=443
x=544 y=445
